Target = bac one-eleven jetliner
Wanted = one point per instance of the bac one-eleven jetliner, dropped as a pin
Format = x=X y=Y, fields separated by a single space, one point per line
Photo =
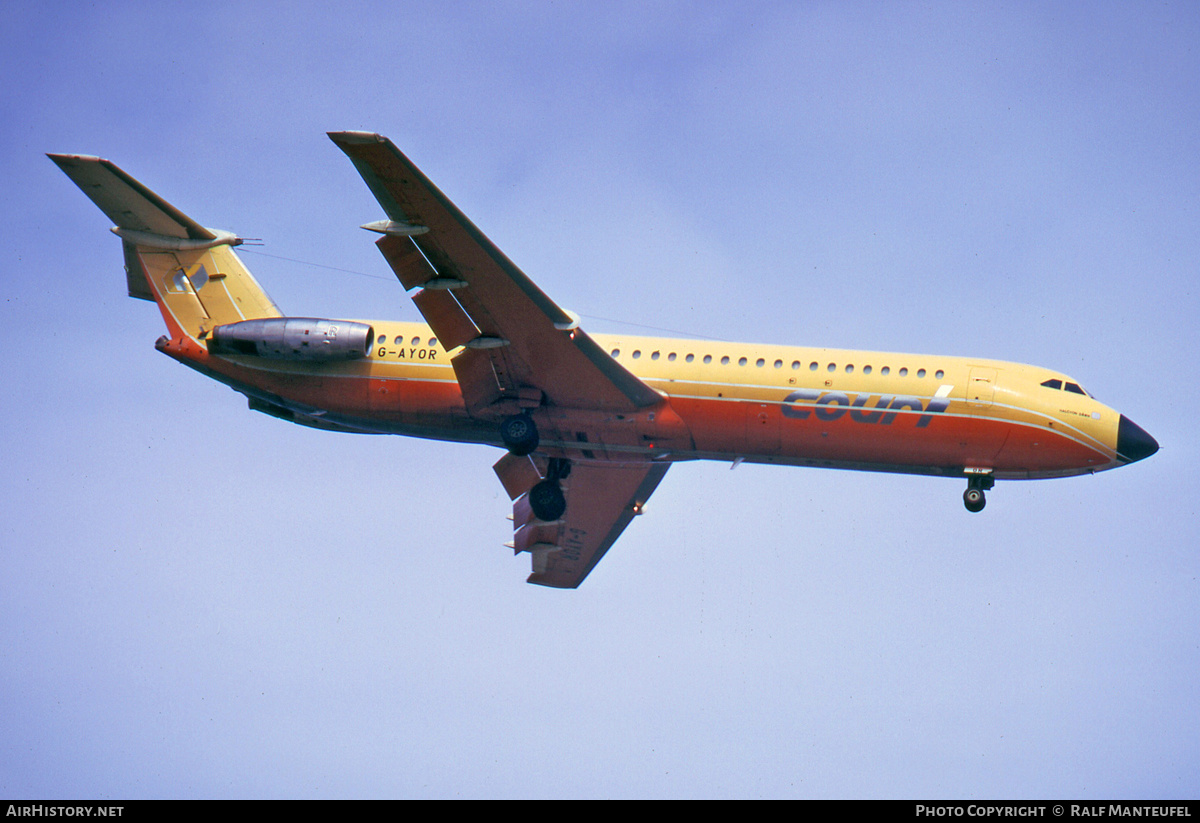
x=590 y=424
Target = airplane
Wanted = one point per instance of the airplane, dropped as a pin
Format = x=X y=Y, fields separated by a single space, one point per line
x=589 y=424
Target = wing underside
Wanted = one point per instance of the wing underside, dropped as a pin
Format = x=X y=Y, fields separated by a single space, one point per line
x=602 y=498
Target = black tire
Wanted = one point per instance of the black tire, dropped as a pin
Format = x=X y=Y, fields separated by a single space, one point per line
x=520 y=434
x=547 y=501
x=974 y=500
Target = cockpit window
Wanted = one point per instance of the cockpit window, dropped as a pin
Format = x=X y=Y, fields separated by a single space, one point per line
x=1064 y=385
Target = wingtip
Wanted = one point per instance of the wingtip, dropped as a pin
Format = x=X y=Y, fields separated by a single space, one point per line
x=65 y=159
x=355 y=138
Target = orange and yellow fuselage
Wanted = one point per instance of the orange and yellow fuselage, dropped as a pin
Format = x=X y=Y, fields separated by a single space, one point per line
x=883 y=411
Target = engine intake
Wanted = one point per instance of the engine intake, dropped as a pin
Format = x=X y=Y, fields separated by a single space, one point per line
x=294 y=338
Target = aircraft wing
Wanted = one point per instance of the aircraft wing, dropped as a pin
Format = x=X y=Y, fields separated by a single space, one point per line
x=601 y=500
x=517 y=341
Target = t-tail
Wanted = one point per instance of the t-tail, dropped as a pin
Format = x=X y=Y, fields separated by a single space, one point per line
x=190 y=271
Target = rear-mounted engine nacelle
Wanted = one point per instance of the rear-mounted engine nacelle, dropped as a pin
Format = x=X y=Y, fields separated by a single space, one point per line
x=294 y=338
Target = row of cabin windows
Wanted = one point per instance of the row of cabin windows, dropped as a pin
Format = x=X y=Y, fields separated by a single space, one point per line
x=399 y=341
x=742 y=361
x=796 y=364
x=1064 y=385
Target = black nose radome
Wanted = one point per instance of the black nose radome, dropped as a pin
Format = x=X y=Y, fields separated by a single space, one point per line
x=1133 y=443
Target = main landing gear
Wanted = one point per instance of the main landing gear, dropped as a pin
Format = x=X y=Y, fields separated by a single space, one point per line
x=974 y=498
x=546 y=498
x=519 y=434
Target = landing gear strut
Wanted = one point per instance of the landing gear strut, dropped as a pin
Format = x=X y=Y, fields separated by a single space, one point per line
x=519 y=434
x=546 y=498
x=974 y=498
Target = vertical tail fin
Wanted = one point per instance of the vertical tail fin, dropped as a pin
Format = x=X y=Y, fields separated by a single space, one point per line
x=191 y=271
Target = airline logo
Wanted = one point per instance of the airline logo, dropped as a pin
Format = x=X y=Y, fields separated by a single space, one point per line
x=832 y=405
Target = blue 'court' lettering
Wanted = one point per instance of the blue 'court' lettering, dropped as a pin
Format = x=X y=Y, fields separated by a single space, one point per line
x=830 y=406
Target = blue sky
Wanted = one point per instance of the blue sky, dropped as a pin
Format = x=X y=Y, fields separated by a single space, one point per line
x=200 y=601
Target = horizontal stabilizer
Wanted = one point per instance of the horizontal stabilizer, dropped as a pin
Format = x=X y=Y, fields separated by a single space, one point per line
x=128 y=203
x=192 y=272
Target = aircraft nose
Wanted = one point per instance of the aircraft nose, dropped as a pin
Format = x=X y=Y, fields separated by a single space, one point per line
x=1133 y=443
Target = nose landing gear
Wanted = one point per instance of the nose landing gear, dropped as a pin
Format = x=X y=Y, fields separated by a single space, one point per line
x=977 y=483
x=974 y=500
